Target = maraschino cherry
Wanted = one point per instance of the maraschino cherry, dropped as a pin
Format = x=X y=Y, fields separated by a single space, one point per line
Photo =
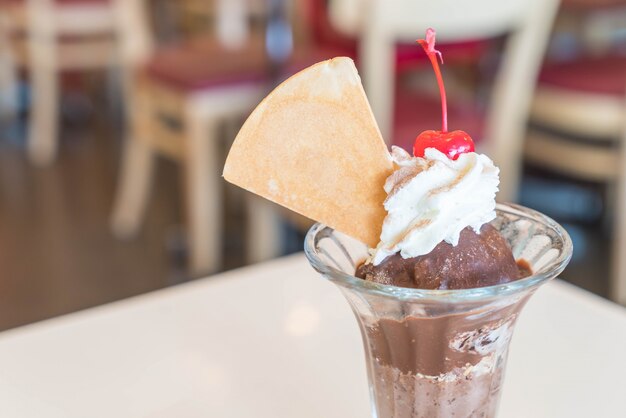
x=452 y=143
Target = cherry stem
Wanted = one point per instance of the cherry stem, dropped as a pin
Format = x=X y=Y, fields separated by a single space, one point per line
x=429 y=48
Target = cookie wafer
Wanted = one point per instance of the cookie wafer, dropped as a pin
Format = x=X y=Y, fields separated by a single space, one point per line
x=313 y=146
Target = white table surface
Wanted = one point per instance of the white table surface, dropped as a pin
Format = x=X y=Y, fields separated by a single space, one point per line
x=276 y=340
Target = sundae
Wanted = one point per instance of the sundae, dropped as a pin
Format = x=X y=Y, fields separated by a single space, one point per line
x=434 y=347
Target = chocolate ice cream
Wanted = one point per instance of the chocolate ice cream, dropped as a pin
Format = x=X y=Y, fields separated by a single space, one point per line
x=449 y=365
x=478 y=260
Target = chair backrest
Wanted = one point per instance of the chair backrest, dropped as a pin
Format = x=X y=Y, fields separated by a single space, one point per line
x=71 y=18
x=137 y=43
x=403 y=19
x=382 y=23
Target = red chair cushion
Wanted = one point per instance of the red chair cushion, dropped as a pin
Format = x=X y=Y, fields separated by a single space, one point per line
x=411 y=56
x=202 y=64
x=604 y=75
x=415 y=113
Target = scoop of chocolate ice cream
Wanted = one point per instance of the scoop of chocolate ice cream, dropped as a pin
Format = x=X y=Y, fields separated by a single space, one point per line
x=478 y=260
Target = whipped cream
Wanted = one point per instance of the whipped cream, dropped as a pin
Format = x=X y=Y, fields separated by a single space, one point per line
x=432 y=199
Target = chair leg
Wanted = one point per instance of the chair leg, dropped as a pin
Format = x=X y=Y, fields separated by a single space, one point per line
x=618 y=276
x=43 y=124
x=114 y=94
x=9 y=95
x=203 y=195
x=264 y=239
x=133 y=188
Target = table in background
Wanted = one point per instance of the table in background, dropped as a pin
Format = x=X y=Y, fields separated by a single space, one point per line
x=276 y=340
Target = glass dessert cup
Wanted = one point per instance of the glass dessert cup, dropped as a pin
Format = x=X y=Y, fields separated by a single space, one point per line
x=440 y=353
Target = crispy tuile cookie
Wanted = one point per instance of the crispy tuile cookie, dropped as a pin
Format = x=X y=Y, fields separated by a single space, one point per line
x=313 y=146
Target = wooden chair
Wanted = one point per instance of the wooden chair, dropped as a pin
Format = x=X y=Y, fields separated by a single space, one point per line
x=173 y=109
x=50 y=36
x=586 y=99
x=178 y=96
x=381 y=25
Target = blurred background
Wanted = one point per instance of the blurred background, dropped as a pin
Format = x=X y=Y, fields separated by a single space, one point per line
x=116 y=116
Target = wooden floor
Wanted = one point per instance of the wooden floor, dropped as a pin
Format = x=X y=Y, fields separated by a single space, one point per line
x=57 y=254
